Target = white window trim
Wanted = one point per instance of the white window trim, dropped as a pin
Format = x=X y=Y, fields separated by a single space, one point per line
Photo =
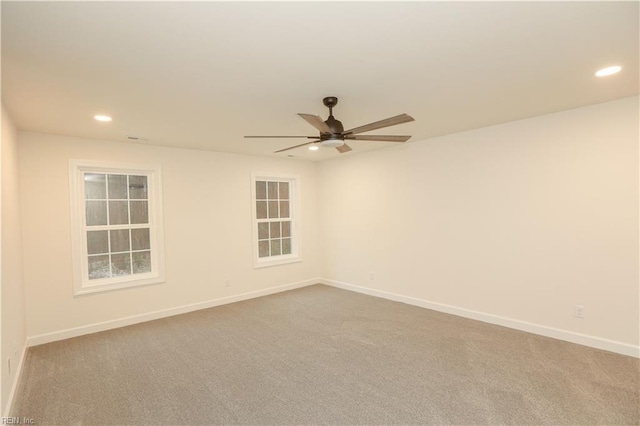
x=81 y=284
x=294 y=206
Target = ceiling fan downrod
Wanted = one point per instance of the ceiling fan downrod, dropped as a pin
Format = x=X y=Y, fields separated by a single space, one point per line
x=335 y=125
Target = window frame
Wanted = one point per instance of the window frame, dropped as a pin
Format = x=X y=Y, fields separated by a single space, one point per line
x=81 y=282
x=294 y=217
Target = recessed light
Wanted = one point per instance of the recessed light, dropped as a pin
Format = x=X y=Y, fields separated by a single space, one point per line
x=102 y=117
x=608 y=71
x=313 y=148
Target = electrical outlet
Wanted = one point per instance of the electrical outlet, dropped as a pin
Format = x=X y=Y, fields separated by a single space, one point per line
x=227 y=283
x=579 y=312
x=372 y=276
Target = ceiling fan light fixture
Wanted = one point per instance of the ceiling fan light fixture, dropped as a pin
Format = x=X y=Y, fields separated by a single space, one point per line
x=331 y=143
x=608 y=71
x=314 y=148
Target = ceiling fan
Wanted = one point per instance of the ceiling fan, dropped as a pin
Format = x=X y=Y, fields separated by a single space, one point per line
x=333 y=135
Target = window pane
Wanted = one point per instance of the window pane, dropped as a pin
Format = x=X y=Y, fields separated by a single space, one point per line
x=273 y=209
x=273 y=190
x=139 y=212
x=284 y=209
x=119 y=240
x=117 y=186
x=274 y=230
x=95 y=186
x=286 y=229
x=261 y=190
x=121 y=264
x=118 y=213
x=275 y=247
x=261 y=209
x=263 y=230
x=97 y=242
x=138 y=187
x=99 y=267
x=263 y=248
x=286 y=246
x=141 y=262
x=96 y=213
x=284 y=190
x=140 y=239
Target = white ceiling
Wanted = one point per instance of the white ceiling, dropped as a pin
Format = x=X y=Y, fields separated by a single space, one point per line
x=203 y=74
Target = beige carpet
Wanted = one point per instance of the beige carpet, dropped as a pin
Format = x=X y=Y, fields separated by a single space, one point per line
x=321 y=355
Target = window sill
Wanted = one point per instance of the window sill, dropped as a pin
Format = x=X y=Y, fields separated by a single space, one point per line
x=102 y=287
x=259 y=264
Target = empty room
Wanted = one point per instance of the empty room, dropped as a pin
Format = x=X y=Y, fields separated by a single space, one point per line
x=342 y=213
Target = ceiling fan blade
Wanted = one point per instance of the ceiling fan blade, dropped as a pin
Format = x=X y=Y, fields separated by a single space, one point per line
x=316 y=122
x=343 y=148
x=381 y=138
x=398 y=119
x=273 y=137
x=296 y=146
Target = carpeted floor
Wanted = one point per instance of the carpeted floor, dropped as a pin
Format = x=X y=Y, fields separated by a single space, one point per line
x=321 y=355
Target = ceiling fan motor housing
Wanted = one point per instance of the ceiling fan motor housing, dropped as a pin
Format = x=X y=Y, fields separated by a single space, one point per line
x=336 y=126
x=335 y=138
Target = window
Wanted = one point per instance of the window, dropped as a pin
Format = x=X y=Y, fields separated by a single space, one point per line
x=275 y=220
x=117 y=226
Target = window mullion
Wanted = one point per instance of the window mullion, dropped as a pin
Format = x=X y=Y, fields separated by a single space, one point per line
x=106 y=178
x=129 y=223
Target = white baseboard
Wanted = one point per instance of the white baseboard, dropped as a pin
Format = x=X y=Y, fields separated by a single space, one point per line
x=568 y=336
x=122 y=322
x=16 y=381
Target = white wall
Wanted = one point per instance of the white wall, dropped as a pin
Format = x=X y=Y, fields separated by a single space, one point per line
x=12 y=293
x=522 y=220
x=208 y=239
